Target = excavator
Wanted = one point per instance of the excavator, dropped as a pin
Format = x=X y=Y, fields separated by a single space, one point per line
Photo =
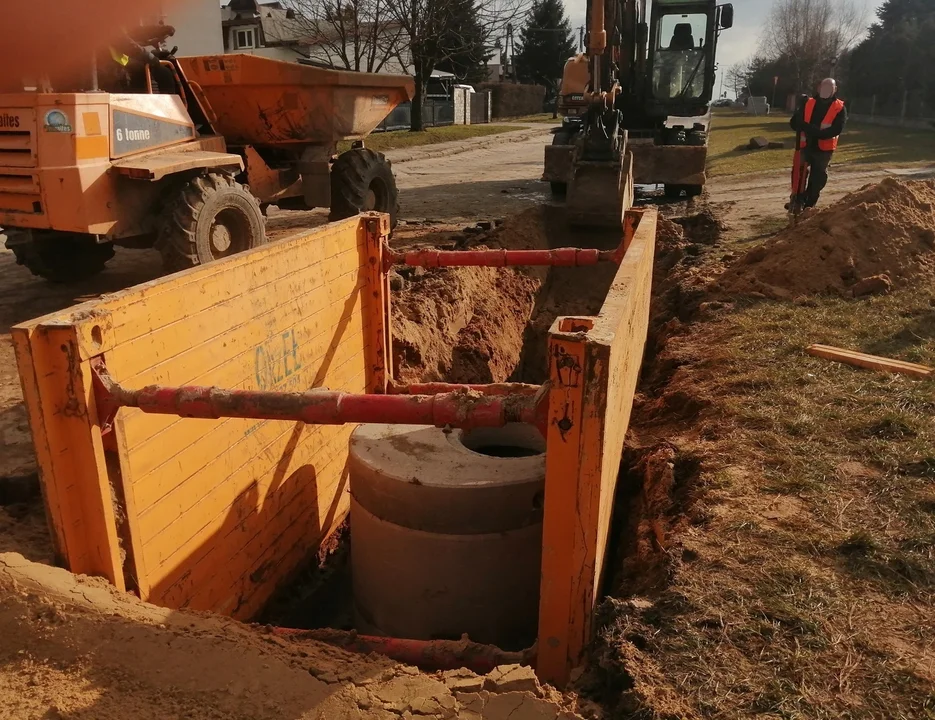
x=618 y=98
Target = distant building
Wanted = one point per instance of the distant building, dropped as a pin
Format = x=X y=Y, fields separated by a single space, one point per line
x=267 y=29
x=274 y=30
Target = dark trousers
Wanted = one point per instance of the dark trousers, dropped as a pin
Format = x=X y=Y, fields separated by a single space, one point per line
x=818 y=161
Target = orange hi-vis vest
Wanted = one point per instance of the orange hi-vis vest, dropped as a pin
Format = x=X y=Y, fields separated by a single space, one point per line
x=833 y=111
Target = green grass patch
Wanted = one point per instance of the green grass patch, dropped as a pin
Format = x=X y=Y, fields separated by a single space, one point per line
x=860 y=143
x=406 y=139
x=545 y=118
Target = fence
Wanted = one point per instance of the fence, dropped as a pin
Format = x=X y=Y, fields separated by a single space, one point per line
x=436 y=112
x=481 y=107
x=512 y=100
x=440 y=111
x=905 y=109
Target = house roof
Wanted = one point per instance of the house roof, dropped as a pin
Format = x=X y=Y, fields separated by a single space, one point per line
x=278 y=24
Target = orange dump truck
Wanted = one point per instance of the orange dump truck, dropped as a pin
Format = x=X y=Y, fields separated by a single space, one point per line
x=187 y=160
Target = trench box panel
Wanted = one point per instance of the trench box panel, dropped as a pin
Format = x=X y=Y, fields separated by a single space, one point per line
x=594 y=365
x=205 y=514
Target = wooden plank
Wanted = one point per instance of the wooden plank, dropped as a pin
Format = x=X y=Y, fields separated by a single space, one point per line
x=595 y=365
x=56 y=513
x=150 y=306
x=191 y=498
x=70 y=452
x=252 y=368
x=377 y=306
x=870 y=362
x=154 y=307
x=166 y=552
x=215 y=323
x=176 y=453
x=210 y=503
x=566 y=404
x=159 y=166
x=622 y=326
x=299 y=518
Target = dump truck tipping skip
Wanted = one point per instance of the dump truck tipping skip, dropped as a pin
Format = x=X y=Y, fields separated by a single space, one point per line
x=188 y=169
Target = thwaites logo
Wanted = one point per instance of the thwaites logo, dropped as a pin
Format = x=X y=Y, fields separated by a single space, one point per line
x=57 y=122
x=9 y=122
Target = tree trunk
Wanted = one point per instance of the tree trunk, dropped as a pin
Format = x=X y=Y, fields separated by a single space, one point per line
x=418 y=98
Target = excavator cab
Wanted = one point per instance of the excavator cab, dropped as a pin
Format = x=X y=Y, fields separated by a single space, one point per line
x=681 y=63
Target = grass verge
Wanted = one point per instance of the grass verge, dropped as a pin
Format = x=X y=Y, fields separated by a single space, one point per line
x=860 y=143
x=405 y=139
x=800 y=577
x=538 y=118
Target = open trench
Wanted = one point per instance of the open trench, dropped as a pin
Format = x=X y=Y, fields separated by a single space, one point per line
x=487 y=325
x=463 y=325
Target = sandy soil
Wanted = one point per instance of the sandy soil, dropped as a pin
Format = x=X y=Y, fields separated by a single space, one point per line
x=75 y=648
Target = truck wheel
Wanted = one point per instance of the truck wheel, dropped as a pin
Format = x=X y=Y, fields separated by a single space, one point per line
x=560 y=189
x=213 y=217
x=63 y=258
x=362 y=180
x=673 y=192
x=693 y=190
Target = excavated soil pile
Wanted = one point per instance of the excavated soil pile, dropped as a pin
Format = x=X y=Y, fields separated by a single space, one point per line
x=470 y=325
x=77 y=648
x=881 y=230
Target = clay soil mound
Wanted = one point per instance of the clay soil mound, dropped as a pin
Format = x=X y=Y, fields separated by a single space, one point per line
x=884 y=229
x=483 y=325
x=469 y=325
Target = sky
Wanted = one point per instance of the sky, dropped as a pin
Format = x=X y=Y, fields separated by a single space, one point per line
x=735 y=45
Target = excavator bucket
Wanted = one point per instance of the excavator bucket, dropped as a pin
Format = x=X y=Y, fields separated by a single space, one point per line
x=600 y=192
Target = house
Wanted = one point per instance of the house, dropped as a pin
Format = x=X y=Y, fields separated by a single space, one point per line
x=267 y=29
x=278 y=30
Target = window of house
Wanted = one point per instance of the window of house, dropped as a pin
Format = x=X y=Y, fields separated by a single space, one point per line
x=245 y=39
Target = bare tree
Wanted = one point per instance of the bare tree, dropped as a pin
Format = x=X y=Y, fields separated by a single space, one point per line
x=361 y=35
x=438 y=30
x=812 y=35
x=738 y=77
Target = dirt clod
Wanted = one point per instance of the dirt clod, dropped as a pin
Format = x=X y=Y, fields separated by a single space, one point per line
x=875 y=285
x=887 y=229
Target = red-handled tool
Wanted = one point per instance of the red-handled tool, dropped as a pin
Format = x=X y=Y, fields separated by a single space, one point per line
x=799 y=170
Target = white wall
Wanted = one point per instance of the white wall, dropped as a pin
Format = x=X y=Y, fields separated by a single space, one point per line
x=197 y=26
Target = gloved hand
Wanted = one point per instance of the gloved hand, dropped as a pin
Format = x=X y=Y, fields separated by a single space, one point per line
x=810 y=132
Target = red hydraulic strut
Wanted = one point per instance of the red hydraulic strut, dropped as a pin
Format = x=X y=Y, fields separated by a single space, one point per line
x=560 y=257
x=437 y=388
x=428 y=655
x=458 y=409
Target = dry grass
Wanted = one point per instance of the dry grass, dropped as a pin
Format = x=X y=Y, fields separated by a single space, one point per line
x=406 y=139
x=859 y=144
x=801 y=581
x=538 y=118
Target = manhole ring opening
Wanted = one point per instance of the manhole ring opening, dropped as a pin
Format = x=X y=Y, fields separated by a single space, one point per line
x=511 y=441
